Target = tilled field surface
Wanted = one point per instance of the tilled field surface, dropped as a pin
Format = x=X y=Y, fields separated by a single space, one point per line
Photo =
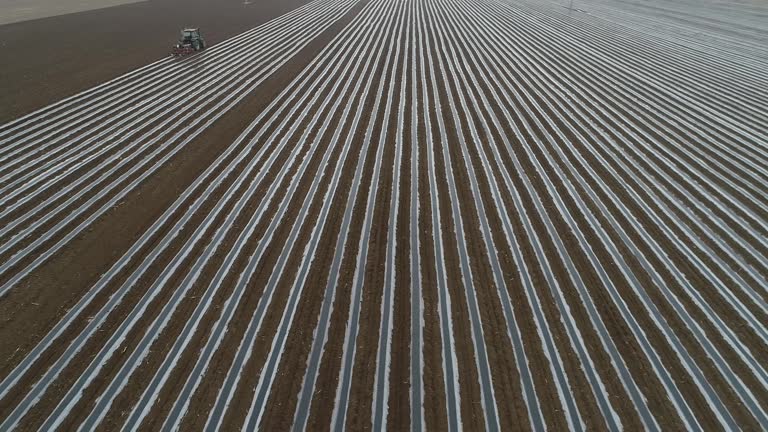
x=401 y=214
x=48 y=59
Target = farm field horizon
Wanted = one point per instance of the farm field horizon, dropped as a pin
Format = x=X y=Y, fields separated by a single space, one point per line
x=24 y=10
x=388 y=215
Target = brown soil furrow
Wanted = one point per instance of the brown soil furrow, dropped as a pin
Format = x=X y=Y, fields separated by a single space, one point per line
x=509 y=398
x=435 y=409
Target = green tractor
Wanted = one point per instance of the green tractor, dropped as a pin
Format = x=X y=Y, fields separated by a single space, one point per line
x=191 y=41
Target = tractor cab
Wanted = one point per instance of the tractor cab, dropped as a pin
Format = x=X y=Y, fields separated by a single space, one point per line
x=190 y=41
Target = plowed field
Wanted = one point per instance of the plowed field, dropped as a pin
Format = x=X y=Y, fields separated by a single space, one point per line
x=401 y=214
